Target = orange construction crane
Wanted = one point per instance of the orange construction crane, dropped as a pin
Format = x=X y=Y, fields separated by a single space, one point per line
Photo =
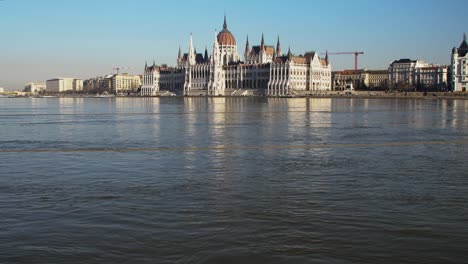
x=356 y=54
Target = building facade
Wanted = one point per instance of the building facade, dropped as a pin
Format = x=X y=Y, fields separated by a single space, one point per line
x=403 y=71
x=125 y=83
x=98 y=84
x=377 y=79
x=458 y=67
x=360 y=79
x=432 y=77
x=417 y=74
x=264 y=70
x=35 y=87
x=59 y=85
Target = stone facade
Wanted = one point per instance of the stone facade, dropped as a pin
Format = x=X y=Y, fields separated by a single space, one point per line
x=264 y=69
x=58 y=85
x=458 y=67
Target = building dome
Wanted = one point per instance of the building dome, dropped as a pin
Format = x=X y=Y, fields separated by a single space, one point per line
x=225 y=37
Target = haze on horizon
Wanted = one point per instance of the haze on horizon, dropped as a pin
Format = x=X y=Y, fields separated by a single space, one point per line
x=83 y=39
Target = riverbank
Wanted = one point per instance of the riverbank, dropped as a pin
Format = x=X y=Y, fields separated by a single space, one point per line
x=299 y=94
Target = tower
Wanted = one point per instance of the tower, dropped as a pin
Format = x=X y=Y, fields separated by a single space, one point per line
x=179 y=57
x=278 y=47
x=191 y=52
x=216 y=83
x=227 y=45
x=247 y=49
x=263 y=55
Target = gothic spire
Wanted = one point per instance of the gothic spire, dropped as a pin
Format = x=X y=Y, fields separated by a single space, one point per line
x=247 y=46
x=278 y=48
x=224 y=24
x=146 y=64
x=464 y=36
x=289 y=52
x=262 y=45
x=154 y=63
x=191 y=54
x=206 y=54
x=179 y=56
x=326 y=57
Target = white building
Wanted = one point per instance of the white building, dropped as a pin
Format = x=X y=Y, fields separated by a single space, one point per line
x=434 y=76
x=2 y=90
x=265 y=70
x=458 y=68
x=406 y=73
x=35 y=87
x=59 y=85
x=402 y=72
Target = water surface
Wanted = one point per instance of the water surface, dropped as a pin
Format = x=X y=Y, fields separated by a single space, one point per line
x=233 y=180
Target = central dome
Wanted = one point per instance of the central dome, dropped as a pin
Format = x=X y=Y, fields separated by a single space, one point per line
x=225 y=37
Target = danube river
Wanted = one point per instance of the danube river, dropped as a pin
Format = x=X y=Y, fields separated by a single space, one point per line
x=233 y=180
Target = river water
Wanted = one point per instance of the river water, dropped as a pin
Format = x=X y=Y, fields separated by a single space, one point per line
x=233 y=180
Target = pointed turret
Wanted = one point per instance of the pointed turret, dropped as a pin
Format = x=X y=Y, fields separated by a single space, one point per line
x=215 y=53
x=289 y=53
x=463 y=49
x=154 y=63
x=224 y=24
x=278 y=48
x=179 y=56
x=206 y=54
x=247 y=46
x=146 y=65
x=326 y=57
x=191 y=54
x=262 y=45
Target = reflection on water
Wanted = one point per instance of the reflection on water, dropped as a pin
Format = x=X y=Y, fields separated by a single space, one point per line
x=233 y=180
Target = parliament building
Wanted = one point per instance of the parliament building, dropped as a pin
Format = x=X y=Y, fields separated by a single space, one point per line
x=263 y=70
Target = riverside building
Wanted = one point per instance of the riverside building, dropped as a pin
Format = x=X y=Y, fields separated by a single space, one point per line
x=361 y=79
x=406 y=73
x=35 y=87
x=263 y=70
x=458 y=67
x=58 y=85
x=125 y=83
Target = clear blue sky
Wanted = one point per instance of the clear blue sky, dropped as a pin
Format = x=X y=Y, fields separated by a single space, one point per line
x=42 y=39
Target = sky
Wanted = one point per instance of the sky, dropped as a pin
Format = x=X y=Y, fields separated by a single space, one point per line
x=44 y=39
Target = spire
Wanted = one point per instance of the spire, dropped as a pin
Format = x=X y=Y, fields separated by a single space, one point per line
x=179 y=56
x=463 y=46
x=278 y=47
x=247 y=46
x=215 y=53
x=206 y=54
x=262 y=45
x=326 y=57
x=225 y=24
x=289 y=52
x=190 y=44
x=146 y=64
x=154 y=63
x=191 y=55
